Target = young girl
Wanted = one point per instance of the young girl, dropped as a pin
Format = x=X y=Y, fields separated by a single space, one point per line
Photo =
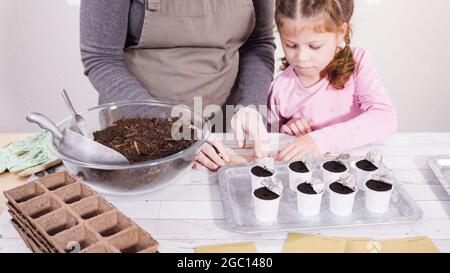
x=329 y=94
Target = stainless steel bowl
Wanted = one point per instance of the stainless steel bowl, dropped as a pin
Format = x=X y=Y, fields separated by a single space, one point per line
x=137 y=178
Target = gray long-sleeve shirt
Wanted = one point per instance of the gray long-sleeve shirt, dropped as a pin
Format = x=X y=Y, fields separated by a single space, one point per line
x=107 y=27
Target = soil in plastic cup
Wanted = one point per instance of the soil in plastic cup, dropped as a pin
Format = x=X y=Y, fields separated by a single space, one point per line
x=342 y=199
x=258 y=174
x=377 y=196
x=363 y=169
x=298 y=173
x=308 y=201
x=266 y=204
x=331 y=171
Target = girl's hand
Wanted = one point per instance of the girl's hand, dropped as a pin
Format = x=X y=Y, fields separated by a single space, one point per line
x=249 y=121
x=297 y=127
x=302 y=145
x=211 y=155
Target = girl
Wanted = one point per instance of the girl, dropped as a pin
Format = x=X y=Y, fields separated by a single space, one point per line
x=329 y=94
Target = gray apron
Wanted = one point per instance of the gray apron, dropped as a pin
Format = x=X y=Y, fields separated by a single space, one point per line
x=190 y=48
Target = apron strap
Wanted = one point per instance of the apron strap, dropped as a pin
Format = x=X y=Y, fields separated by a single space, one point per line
x=154 y=5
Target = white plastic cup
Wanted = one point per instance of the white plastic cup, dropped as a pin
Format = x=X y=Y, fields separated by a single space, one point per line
x=309 y=204
x=341 y=204
x=266 y=210
x=377 y=201
x=361 y=175
x=256 y=180
x=296 y=178
x=330 y=177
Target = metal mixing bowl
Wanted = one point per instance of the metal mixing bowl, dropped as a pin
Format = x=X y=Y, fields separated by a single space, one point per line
x=136 y=178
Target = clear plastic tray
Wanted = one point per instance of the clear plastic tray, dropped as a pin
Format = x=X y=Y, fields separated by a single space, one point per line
x=440 y=165
x=235 y=190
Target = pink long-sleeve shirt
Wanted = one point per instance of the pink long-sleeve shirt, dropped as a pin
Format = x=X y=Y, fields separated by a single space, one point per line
x=357 y=115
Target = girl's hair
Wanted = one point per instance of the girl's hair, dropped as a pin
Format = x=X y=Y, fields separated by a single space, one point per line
x=335 y=13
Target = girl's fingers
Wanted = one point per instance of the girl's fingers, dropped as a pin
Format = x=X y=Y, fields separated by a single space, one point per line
x=295 y=129
x=222 y=151
x=300 y=127
x=206 y=161
x=198 y=165
x=306 y=126
x=210 y=152
x=285 y=129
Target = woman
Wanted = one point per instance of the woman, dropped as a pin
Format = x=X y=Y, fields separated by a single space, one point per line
x=175 y=50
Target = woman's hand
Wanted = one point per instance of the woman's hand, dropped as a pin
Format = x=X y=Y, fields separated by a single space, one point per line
x=248 y=121
x=302 y=145
x=297 y=127
x=211 y=155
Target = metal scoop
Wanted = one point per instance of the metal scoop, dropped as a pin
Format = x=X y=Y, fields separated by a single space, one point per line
x=78 y=119
x=77 y=146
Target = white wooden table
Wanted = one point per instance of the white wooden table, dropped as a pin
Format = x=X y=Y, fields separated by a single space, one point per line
x=189 y=212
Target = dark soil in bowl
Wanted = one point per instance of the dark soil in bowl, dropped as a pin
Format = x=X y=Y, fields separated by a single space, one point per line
x=143 y=139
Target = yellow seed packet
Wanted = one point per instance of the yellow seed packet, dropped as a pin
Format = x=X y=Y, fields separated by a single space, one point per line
x=247 y=247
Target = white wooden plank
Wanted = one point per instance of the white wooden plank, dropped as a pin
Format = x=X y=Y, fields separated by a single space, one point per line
x=186 y=192
x=216 y=229
x=139 y=209
x=13 y=246
x=417 y=138
x=405 y=150
x=442 y=245
x=406 y=162
x=169 y=229
x=202 y=176
x=416 y=177
x=6 y=229
x=191 y=210
x=435 y=209
x=427 y=192
x=435 y=229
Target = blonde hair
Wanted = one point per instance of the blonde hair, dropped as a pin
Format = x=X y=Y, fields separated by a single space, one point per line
x=337 y=12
